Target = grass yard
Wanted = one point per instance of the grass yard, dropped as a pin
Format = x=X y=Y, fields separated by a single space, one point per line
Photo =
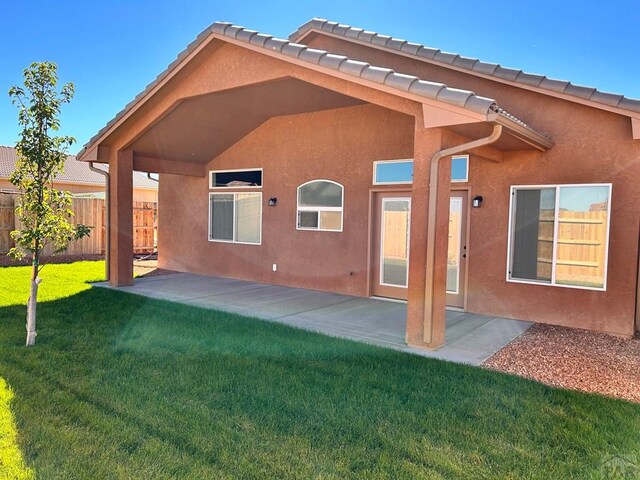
x=120 y=386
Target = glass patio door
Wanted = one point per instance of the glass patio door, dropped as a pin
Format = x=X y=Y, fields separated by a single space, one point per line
x=457 y=249
x=391 y=262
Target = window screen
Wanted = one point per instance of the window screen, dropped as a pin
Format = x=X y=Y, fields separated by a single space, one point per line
x=235 y=217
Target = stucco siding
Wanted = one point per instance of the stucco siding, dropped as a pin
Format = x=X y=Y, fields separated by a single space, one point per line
x=339 y=145
x=591 y=146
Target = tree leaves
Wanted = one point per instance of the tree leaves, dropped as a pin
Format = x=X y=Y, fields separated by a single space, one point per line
x=43 y=211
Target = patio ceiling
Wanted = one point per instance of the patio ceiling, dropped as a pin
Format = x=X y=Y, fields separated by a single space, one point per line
x=198 y=129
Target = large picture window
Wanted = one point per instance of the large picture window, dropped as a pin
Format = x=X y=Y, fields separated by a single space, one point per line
x=559 y=235
x=235 y=217
x=320 y=205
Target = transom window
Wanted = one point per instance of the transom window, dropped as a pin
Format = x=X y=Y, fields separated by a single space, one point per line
x=386 y=172
x=320 y=205
x=235 y=217
x=394 y=172
x=250 y=178
x=460 y=168
x=559 y=235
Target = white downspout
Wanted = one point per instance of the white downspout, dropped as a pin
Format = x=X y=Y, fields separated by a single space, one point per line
x=431 y=221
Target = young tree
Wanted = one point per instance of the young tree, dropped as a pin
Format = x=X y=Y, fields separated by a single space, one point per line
x=43 y=212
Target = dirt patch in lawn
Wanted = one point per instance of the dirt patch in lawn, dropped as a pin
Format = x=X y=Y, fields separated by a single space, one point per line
x=576 y=359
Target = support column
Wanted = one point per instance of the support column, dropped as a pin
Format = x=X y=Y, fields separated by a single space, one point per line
x=428 y=269
x=121 y=219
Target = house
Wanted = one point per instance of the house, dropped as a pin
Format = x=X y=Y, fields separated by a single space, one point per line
x=78 y=178
x=348 y=161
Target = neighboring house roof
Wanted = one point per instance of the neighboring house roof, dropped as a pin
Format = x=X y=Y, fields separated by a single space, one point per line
x=439 y=92
x=474 y=65
x=75 y=172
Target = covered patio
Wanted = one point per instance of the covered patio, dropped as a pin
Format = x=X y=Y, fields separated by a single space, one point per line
x=232 y=86
x=470 y=338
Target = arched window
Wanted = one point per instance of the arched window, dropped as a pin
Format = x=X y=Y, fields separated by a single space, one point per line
x=320 y=205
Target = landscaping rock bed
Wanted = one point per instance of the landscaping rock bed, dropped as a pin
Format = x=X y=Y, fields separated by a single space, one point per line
x=575 y=359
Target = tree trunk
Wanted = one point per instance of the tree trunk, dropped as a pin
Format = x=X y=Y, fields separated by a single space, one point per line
x=31 y=306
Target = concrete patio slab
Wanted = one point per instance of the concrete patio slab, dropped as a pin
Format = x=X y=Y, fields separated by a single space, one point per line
x=470 y=338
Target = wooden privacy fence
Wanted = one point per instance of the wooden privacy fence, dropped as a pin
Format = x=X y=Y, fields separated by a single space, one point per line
x=90 y=212
x=395 y=235
x=7 y=221
x=582 y=242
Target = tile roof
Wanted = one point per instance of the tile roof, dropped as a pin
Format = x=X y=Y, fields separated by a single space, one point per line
x=74 y=171
x=384 y=76
x=467 y=63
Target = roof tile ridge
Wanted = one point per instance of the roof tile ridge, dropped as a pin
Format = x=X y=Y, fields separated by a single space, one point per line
x=357 y=68
x=474 y=64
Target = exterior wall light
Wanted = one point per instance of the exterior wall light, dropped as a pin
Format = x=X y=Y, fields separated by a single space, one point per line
x=477 y=201
x=273 y=201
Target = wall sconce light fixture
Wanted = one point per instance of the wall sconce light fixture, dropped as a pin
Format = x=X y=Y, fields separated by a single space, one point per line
x=273 y=201
x=477 y=201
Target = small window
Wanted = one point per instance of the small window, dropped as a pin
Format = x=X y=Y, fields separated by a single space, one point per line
x=235 y=178
x=559 y=235
x=235 y=217
x=460 y=168
x=386 y=172
x=320 y=206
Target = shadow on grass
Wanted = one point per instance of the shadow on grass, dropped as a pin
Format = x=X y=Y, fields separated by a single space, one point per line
x=12 y=465
x=124 y=384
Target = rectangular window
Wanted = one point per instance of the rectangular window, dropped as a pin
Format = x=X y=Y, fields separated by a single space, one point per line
x=559 y=235
x=390 y=172
x=460 y=168
x=386 y=172
x=235 y=178
x=235 y=217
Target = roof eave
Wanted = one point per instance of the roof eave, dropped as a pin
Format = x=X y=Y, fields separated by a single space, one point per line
x=172 y=69
x=90 y=151
x=522 y=132
x=310 y=27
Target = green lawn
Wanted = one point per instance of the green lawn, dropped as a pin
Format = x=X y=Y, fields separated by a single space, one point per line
x=121 y=386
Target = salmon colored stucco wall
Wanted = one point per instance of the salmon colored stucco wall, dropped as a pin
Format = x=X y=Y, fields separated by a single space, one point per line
x=339 y=145
x=219 y=67
x=591 y=146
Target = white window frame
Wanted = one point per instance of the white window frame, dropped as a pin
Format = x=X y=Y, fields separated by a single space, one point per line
x=319 y=209
x=379 y=162
x=253 y=187
x=211 y=194
x=553 y=283
x=466 y=178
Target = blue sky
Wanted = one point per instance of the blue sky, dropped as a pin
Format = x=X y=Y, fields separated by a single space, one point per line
x=112 y=50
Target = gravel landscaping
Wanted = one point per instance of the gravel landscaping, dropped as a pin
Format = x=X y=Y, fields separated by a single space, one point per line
x=575 y=359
